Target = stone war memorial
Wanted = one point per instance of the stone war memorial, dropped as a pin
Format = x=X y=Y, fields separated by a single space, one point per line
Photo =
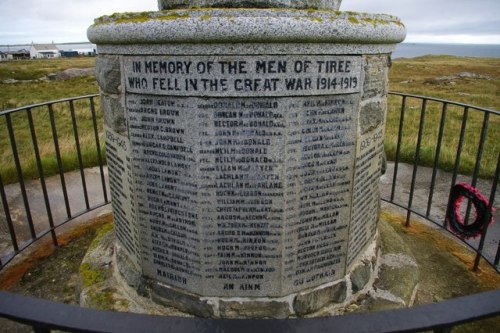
x=244 y=143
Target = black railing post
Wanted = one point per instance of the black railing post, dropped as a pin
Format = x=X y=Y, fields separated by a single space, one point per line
x=477 y=165
x=79 y=154
x=20 y=175
x=487 y=217
x=398 y=147
x=436 y=158
x=59 y=160
x=8 y=218
x=416 y=160
x=457 y=157
x=42 y=177
x=98 y=150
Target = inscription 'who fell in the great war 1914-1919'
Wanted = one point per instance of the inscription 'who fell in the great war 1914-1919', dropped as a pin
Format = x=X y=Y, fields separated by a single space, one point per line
x=239 y=194
x=243 y=75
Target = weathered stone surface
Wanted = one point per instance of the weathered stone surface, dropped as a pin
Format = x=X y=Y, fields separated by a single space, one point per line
x=108 y=74
x=114 y=114
x=249 y=26
x=232 y=155
x=315 y=4
x=401 y=281
x=376 y=71
x=372 y=115
x=129 y=272
x=181 y=300
x=360 y=276
x=278 y=309
x=311 y=301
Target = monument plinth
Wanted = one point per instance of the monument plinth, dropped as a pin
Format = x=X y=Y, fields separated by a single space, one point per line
x=244 y=150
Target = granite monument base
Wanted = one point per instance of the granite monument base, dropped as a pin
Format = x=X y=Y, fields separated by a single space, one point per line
x=334 y=296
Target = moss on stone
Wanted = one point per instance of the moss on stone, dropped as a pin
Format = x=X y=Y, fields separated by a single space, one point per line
x=316 y=19
x=121 y=18
x=101 y=299
x=100 y=233
x=91 y=275
x=353 y=19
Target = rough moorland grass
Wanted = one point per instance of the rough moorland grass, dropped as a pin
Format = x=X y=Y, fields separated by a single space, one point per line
x=416 y=76
x=424 y=76
x=35 y=69
x=19 y=94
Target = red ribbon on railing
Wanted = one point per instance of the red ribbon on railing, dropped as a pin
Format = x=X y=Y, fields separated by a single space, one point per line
x=455 y=222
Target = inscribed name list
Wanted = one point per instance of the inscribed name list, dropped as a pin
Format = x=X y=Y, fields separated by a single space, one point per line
x=222 y=182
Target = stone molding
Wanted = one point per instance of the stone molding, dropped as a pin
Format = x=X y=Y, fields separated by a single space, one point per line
x=246 y=26
x=302 y=4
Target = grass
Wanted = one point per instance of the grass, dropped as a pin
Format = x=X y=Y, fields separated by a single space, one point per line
x=416 y=76
x=19 y=94
x=419 y=76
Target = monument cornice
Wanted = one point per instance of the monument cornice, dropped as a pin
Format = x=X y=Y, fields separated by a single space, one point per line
x=247 y=26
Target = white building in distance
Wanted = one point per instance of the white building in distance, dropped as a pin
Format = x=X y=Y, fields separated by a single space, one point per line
x=41 y=51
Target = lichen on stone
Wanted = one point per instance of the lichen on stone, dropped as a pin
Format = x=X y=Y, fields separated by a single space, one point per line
x=353 y=19
x=91 y=275
x=101 y=299
x=121 y=18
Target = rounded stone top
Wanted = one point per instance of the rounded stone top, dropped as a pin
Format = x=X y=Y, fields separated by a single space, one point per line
x=214 y=25
x=298 y=4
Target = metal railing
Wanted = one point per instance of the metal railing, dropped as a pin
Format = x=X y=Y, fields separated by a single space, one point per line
x=21 y=229
x=413 y=116
x=44 y=316
x=21 y=128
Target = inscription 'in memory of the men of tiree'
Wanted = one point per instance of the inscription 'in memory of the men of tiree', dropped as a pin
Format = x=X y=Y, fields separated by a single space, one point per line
x=243 y=195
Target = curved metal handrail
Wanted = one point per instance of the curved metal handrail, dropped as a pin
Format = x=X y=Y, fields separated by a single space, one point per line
x=441 y=220
x=45 y=315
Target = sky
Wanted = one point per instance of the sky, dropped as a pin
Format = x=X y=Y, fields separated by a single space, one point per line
x=427 y=21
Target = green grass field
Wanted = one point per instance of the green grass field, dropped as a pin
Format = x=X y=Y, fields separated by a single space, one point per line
x=416 y=76
x=421 y=76
x=13 y=95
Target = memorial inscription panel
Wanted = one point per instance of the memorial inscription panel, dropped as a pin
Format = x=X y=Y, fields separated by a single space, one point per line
x=240 y=194
x=366 y=192
x=121 y=185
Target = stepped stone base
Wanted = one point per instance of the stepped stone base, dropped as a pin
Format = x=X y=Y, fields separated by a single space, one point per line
x=114 y=287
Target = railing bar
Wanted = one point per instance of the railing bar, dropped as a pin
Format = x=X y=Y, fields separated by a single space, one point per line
x=43 y=233
x=436 y=158
x=59 y=161
x=42 y=177
x=414 y=319
x=497 y=257
x=495 y=112
x=98 y=146
x=477 y=166
x=398 y=147
x=32 y=106
x=417 y=160
x=6 y=209
x=79 y=154
x=487 y=217
x=457 y=157
x=19 y=170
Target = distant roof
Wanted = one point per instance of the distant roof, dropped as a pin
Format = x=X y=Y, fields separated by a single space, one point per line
x=45 y=47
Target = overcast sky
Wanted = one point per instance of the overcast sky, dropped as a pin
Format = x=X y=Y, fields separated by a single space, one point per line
x=438 y=21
